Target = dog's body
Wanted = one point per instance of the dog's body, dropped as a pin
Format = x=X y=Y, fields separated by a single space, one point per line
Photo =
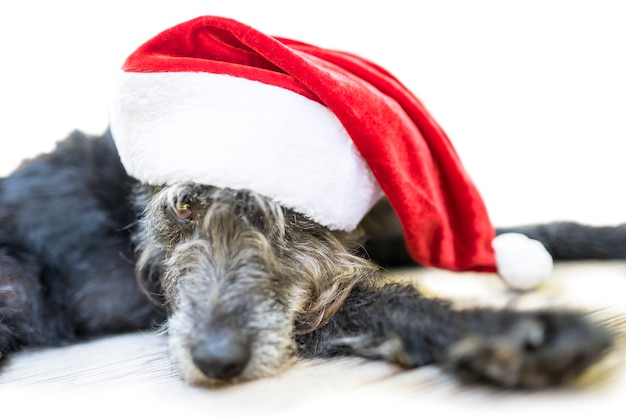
x=243 y=286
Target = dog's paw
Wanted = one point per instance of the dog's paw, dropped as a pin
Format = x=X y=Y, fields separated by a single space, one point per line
x=535 y=351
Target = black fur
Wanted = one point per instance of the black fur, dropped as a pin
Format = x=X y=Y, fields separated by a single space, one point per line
x=574 y=241
x=67 y=263
x=475 y=343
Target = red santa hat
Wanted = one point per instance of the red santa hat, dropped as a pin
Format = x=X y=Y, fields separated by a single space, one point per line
x=324 y=132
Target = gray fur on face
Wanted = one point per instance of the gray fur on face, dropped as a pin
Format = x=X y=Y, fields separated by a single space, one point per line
x=235 y=262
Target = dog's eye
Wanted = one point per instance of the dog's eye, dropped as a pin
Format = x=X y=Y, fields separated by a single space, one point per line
x=182 y=210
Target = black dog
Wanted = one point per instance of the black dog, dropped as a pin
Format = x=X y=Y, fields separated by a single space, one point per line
x=243 y=285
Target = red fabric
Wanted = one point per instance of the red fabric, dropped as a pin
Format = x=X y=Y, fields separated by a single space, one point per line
x=444 y=218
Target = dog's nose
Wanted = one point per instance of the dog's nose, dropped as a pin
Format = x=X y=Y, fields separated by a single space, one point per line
x=222 y=355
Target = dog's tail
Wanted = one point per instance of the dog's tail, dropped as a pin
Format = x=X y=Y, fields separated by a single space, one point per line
x=385 y=243
x=574 y=241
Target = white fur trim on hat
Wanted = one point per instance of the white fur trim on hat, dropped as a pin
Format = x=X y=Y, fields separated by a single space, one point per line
x=232 y=132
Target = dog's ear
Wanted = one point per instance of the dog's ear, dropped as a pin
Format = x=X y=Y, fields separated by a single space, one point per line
x=148 y=272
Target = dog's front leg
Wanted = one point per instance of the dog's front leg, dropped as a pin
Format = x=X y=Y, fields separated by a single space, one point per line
x=396 y=323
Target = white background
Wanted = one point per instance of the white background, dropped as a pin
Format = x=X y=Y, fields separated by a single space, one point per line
x=532 y=93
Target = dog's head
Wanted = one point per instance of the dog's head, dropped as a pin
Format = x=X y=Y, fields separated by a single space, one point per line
x=240 y=276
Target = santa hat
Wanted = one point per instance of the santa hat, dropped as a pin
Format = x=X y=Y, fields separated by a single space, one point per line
x=324 y=132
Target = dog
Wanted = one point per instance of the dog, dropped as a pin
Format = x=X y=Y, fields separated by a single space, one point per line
x=244 y=287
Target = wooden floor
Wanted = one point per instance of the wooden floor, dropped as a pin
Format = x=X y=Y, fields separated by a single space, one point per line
x=131 y=372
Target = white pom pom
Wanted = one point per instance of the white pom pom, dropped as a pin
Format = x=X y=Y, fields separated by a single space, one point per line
x=522 y=262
